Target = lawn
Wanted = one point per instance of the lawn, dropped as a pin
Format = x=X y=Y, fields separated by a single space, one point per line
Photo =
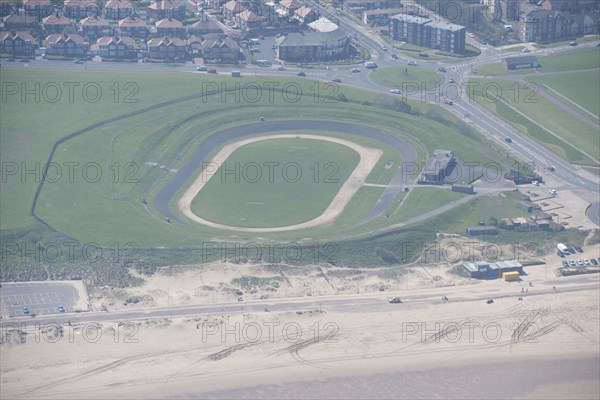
x=582 y=88
x=254 y=198
x=568 y=61
x=549 y=124
x=397 y=77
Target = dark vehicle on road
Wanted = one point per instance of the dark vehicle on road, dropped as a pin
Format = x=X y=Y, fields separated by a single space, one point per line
x=301 y=74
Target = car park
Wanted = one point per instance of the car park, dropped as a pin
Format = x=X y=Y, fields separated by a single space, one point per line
x=301 y=74
x=395 y=91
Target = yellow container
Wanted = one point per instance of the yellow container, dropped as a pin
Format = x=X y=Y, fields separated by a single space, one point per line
x=510 y=276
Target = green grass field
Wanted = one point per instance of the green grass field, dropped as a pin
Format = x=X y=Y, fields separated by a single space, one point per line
x=117 y=206
x=570 y=61
x=552 y=126
x=306 y=177
x=396 y=77
x=579 y=88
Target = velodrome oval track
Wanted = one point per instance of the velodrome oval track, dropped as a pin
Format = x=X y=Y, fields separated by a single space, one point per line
x=165 y=197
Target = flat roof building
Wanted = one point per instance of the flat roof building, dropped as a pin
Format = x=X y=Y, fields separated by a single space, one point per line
x=426 y=32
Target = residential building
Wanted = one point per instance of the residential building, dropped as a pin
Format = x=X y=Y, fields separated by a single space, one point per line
x=510 y=10
x=194 y=46
x=520 y=62
x=95 y=27
x=161 y=9
x=55 y=24
x=313 y=46
x=78 y=9
x=381 y=17
x=7 y=7
x=545 y=26
x=305 y=15
x=206 y=25
x=425 y=32
x=287 y=8
x=133 y=27
x=20 y=22
x=167 y=48
x=232 y=8
x=248 y=20
x=116 y=47
x=38 y=8
x=220 y=49
x=117 y=9
x=170 y=27
x=69 y=45
x=17 y=43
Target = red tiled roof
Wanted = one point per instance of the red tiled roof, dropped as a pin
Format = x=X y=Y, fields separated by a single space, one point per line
x=132 y=21
x=57 y=36
x=169 y=23
x=93 y=21
x=249 y=16
x=118 y=4
x=165 y=5
x=33 y=3
x=22 y=35
x=54 y=20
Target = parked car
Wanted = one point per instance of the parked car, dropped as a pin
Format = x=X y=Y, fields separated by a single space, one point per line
x=573 y=44
x=395 y=91
x=301 y=74
x=490 y=301
x=552 y=191
x=579 y=262
x=525 y=50
x=25 y=310
x=560 y=253
x=383 y=48
x=579 y=249
x=202 y=68
x=212 y=71
x=442 y=69
x=355 y=70
x=61 y=308
x=593 y=261
x=565 y=264
x=508 y=140
x=395 y=300
x=413 y=63
x=77 y=61
x=586 y=262
x=571 y=250
x=261 y=37
x=572 y=263
x=336 y=80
